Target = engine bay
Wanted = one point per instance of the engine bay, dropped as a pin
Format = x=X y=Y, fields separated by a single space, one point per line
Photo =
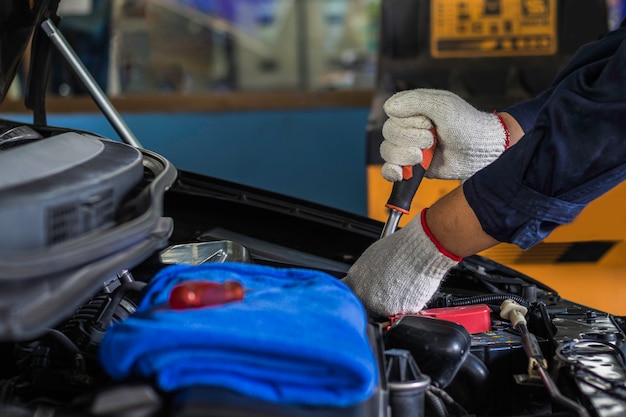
x=88 y=223
x=458 y=357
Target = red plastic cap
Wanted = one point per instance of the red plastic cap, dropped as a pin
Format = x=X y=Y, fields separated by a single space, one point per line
x=475 y=318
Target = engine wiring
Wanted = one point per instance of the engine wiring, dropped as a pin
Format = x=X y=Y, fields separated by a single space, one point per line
x=571 y=352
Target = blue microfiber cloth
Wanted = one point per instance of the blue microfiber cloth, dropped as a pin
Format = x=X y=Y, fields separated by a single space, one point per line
x=297 y=337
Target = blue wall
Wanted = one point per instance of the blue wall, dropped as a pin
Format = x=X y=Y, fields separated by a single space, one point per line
x=317 y=155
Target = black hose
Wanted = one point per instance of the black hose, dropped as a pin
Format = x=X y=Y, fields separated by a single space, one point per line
x=437 y=404
x=118 y=294
x=449 y=401
x=488 y=299
x=65 y=341
x=547 y=323
x=471 y=385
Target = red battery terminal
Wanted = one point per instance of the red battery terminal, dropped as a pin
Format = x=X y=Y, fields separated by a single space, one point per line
x=475 y=318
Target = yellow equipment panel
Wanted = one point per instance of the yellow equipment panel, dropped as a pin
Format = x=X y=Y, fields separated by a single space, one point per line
x=492 y=28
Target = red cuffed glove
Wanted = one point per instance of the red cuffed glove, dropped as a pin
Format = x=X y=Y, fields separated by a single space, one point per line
x=401 y=272
x=468 y=139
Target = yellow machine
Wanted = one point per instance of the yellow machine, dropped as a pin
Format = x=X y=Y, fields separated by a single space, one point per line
x=495 y=53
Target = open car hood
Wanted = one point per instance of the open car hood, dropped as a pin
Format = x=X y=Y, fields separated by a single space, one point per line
x=18 y=20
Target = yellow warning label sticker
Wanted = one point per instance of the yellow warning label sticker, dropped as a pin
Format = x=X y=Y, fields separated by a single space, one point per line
x=492 y=28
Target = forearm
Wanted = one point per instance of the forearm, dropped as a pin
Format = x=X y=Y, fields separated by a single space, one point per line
x=454 y=224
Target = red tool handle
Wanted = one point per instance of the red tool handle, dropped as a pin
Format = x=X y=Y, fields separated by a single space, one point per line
x=403 y=191
x=196 y=294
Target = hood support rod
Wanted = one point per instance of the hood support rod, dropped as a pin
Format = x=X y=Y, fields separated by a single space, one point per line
x=57 y=38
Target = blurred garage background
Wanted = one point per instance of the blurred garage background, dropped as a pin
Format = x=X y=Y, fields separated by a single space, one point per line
x=286 y=95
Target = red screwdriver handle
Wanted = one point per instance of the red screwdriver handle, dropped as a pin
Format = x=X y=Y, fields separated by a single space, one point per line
x=403 y=191
x=197 y=294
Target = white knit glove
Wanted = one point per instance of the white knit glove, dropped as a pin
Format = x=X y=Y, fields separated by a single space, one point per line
x=468 y=139
x=401 y=272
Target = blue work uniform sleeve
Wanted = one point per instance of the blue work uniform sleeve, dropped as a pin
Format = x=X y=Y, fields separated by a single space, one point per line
x=574 y=149
x=526 y=112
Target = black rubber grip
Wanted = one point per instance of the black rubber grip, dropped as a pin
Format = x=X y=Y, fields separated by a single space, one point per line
x=403 y=191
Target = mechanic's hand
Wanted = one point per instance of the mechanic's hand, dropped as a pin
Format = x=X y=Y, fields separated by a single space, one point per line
x=468 y=139
x=401 y=272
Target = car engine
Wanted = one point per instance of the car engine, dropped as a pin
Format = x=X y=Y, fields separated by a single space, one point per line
x=464 y=355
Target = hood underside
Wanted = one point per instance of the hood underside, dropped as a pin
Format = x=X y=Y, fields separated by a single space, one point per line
x=18 y=20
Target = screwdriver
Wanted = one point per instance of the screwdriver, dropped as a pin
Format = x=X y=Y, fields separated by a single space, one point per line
x=196 y=294
x=403 y=191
